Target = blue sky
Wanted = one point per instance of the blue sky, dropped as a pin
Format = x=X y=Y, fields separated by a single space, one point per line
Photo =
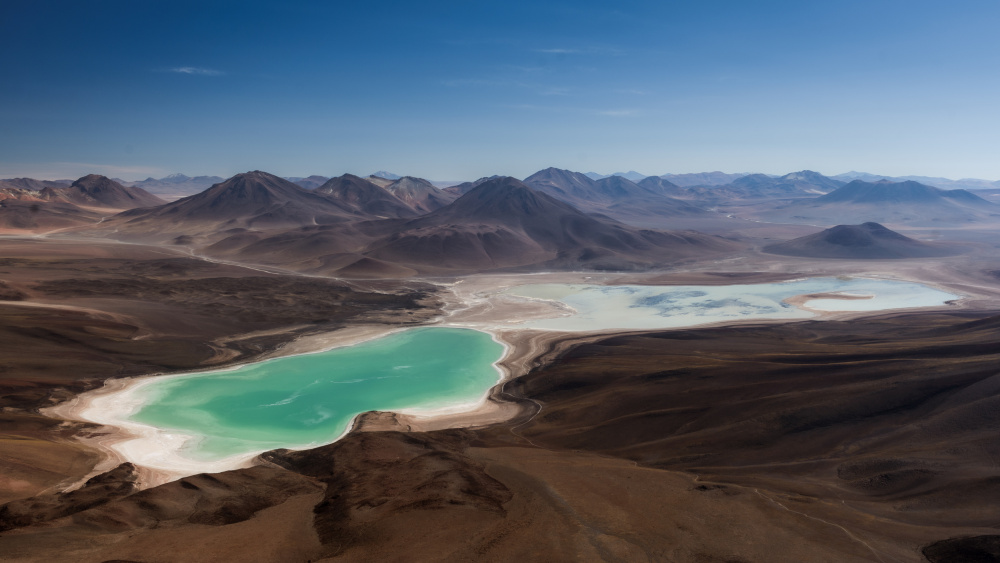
x=459 y=90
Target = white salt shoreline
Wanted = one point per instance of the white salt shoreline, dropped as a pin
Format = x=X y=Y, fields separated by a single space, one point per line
x=156 y=451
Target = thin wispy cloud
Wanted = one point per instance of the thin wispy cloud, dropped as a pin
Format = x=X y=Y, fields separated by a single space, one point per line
x=559 y=51
x=201 y=71
x=592 y=50
x=619 y=112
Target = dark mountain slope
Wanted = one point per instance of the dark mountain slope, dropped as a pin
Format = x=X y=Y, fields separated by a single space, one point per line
x=249 y=200
x=865 y=241
x=364 y=197
x=504 y=223
x=421 y=195
x=614 y=196
x=99 y=191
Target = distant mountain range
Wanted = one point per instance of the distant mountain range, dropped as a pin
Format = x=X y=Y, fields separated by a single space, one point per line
x=904 y=203
x=944 y=183
x=176 y=186
x=614 y=196
x=352 y=226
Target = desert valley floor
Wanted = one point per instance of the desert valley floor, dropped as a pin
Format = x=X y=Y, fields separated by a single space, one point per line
x=834 y=436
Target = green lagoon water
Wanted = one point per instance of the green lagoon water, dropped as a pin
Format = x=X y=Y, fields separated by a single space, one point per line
x=311 y=399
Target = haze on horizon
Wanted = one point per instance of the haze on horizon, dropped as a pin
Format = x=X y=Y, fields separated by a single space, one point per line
x=452 y=90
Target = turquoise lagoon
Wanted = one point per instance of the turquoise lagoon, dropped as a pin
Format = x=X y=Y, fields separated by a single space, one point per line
x=310 y=399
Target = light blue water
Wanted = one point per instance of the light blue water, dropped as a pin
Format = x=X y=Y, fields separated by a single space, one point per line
x=311 y=399
x=639 y=307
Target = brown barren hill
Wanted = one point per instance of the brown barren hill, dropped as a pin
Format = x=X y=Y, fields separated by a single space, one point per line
x=367 y=198
x=867 y=241
x=249 y=200
x=421 y=195
x=95 y=190
x=868 y=440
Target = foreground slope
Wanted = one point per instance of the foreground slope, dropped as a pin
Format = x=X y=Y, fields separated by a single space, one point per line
x=871 y=440
x=866 y=241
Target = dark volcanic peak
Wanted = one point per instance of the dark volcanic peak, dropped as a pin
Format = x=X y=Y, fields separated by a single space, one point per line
x=864 y=241
x=885 y=191
x=562 y=184
x=502 y=199
x=504 y=223
x=614 y=196
x=251 y=199
x=421 y=195
x=101 y=191
x=365 y=197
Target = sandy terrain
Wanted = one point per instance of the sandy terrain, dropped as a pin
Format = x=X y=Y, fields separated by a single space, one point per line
x=539 y=469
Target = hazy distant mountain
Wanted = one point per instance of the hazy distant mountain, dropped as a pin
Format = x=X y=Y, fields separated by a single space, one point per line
x=795 y=184
x=466 y=187
x=615 y=196
x=364 y=197
x=630 y=175
x=702 y=179
x=177 y=186
x=937 y=182
x=908 y=202
x=421 y=195
x=36 y=185
x=867 y=241
x=504 y=223
x=309 y=182
x=595 y=175
x=666 y=187
x=387 y=175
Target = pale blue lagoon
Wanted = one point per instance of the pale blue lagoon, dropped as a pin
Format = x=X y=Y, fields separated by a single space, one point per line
x=639 y=307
